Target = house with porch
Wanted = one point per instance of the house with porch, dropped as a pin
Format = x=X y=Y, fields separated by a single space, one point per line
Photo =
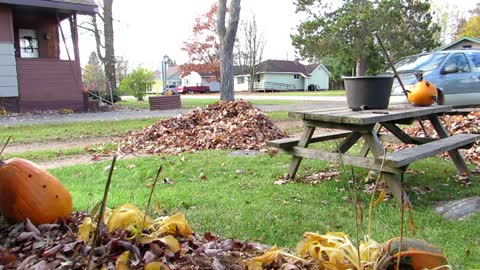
x=32 y=74
x=284 y=75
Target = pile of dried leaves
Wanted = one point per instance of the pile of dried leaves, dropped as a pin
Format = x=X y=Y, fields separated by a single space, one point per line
x=223 y=125
x=57 y=246
x=454 y=124
x=129 y=239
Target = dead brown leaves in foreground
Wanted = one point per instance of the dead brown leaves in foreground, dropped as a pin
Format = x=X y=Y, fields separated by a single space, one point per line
x=223 y=125
x=66 y=245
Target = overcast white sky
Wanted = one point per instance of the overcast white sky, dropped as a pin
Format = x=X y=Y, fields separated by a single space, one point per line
x=148 y=29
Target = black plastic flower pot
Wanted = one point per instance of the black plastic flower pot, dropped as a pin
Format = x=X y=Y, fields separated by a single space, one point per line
x=368 y=92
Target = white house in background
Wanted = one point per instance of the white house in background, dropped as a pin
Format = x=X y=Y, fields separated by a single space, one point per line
x=284 y=75
x=197 y=79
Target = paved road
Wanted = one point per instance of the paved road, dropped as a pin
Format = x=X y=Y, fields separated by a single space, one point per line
x=121 y=115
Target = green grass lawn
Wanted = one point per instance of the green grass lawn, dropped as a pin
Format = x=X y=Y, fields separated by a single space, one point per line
x=187 y=102
x=249 y=206
x=48 y=132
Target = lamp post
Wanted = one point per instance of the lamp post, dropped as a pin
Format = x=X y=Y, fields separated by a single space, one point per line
x=164 y=72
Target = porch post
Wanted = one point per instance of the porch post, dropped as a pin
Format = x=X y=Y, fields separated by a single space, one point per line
x=74 y=26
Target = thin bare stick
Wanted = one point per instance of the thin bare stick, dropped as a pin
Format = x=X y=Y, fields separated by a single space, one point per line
x=370 y=208
x=355 y=202
x=150 y=197
x=5 y=145
x=102 y=210
x=402 y=213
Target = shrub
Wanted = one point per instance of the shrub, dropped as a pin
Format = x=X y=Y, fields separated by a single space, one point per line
x=137 y=83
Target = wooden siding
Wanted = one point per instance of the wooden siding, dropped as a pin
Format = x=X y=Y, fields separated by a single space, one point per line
x=286 y=79
x=47 y=84
x=8 y=71
x=464 y=44
x=6 y=25
x=319 y=77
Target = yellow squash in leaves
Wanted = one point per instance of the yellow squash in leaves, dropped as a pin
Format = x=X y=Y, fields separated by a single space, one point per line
x=29 y=191
x=423 y=93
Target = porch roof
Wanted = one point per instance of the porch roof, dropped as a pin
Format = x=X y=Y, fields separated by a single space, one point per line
x=79 y=6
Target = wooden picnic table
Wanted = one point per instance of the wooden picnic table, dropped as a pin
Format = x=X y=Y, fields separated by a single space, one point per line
x=366 y=124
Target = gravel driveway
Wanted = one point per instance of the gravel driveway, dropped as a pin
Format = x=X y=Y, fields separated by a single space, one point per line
x=13 y=120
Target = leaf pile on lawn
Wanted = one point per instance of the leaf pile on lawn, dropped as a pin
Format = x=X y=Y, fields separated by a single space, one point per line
x=454 y=124
x=129 y=239
x=126 y=241
x=223 y=125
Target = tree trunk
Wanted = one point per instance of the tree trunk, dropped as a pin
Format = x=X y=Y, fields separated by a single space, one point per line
x=109 y=62
x=251 y=86
x=361 y=66
x=226 y=75
x=227 y=41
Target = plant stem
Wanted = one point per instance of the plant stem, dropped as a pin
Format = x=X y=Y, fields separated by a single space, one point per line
x=102 y=211
x=150 y=197
x=370 y=207
x=402 y=212
x=5 y=145
x=355 y=204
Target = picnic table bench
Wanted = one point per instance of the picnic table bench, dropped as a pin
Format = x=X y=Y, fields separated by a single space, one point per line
x=354 y=125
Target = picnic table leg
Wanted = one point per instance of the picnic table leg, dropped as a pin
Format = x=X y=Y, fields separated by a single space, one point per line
x=454 y=154
x=349 y=142
x=373 y=143
x=365 y=148
x=304 y=140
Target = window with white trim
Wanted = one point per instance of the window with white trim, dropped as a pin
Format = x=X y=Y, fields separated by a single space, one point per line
x=296 y=76
x=28 y=43
x=240 y=80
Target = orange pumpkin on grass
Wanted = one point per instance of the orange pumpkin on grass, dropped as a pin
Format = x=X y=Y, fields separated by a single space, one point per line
x=29 y=191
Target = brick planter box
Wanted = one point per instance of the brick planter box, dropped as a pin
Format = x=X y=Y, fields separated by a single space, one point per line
x=164 y=102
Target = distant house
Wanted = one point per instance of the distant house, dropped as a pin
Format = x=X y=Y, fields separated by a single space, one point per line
x=284 y=75
x=201 y=79
x=32 y=75
x=463 y=43
x=173 y=77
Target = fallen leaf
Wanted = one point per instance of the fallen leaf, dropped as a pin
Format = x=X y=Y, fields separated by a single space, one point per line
x=122 y=261
x=171 y=242
x=86 y=230
x=176 y=225
x=156 y=266
x=127 y=217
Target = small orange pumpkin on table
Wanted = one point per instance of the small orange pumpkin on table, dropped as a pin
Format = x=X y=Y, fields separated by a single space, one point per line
x=423 y=93
x=29 y=191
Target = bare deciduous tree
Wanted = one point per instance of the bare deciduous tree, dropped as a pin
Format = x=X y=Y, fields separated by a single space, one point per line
x=104 y=39
x=227 y=36
x=252 y=51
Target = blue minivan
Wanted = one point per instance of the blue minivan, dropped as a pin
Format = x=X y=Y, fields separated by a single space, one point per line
x=455 y=72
